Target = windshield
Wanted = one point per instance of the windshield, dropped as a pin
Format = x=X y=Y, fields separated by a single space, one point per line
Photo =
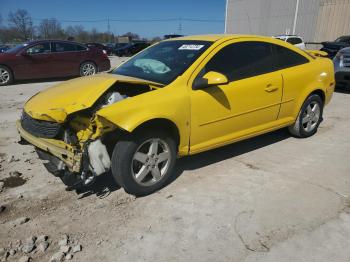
x=16 y=48
x=163 y=62
x=343 y=39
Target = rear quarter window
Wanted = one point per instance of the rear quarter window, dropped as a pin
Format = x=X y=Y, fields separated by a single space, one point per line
x=288 y=58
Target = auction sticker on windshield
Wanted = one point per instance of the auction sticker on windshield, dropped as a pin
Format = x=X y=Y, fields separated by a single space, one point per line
x=190 y=47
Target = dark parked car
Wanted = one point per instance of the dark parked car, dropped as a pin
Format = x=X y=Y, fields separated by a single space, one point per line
x=131 y=48
x=103 y=47
x=4 y=48
x=50 y=58
x=332 y=48
x=172 y=36
x=342 y=68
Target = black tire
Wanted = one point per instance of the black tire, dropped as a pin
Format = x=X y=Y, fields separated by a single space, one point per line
x=87 y=68
x=298 y=129
x=123 y=163
x=6 y=72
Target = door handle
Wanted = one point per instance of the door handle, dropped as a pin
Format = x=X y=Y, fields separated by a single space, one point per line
x=271 y=88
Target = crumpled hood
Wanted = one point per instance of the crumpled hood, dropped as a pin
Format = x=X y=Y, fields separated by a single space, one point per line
x=57 y=102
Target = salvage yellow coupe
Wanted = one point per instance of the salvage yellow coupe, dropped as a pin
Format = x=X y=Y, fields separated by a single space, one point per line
x=178 y=97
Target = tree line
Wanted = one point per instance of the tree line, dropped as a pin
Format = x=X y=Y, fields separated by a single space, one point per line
x=20 y=28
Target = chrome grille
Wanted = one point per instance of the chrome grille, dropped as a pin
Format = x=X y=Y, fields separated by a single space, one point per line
x=346 y=60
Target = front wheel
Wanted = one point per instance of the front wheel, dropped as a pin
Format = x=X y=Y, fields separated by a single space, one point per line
x=6 y=76
x=87 y=69
x=144 y=163
x=309 y=118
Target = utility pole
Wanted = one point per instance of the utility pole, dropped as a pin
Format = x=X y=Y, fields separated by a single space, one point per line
x=108 y=30
x=180 y=26
x=296 y=16
x=226 y=16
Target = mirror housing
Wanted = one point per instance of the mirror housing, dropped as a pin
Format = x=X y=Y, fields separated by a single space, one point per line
x=211 y=78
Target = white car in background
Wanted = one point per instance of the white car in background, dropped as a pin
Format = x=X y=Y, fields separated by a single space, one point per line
x=292 y=39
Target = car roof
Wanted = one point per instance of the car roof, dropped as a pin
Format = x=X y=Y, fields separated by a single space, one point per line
x=217 y=37
x=52 y=40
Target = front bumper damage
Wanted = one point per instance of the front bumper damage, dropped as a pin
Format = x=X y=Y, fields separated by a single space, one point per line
x=93 y=159
x=66 y=153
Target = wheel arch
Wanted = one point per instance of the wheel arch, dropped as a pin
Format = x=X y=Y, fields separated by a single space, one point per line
x=162 y=123
x=317 y=91
x=320 y=93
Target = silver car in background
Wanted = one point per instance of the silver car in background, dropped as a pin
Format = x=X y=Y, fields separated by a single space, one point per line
x=342 y=68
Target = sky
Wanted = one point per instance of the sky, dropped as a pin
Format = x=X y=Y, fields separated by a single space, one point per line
x=176 y=11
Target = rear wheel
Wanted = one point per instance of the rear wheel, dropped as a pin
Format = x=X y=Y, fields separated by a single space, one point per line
x=144 y=163
x=6 y=76
x=87 y=69
x=309 y=118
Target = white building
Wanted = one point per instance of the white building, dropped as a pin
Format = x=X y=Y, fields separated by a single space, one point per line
x=314 y=20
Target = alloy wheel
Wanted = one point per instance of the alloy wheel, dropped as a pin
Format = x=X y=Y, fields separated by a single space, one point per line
x=88 y=69
x=311 y=116
x=4 y=76
x=150 y=162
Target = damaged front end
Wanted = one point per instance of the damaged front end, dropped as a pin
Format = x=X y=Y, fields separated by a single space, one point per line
x=78 y=148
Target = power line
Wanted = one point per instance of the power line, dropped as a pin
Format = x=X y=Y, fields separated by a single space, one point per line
x=136 y=20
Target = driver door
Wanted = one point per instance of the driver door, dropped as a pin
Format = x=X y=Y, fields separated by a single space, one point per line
x=35 y=62
x=249 y=103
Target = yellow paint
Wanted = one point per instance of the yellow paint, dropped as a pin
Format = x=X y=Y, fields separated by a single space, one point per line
x=205 y=119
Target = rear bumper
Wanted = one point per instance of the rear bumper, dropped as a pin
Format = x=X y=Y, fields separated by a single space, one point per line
x=68 y=154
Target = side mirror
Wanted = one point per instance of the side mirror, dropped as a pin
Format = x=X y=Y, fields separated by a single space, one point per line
x=209 y=79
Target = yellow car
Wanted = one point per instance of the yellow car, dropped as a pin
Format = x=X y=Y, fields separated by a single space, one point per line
x=176 y=98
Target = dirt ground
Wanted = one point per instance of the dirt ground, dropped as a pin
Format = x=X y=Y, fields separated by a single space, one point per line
x=270 y=198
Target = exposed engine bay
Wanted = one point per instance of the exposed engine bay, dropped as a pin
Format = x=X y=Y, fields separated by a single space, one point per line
x=84 y=132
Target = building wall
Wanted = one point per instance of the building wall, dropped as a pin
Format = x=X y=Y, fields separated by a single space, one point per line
x=333 y=20
x=318 y=20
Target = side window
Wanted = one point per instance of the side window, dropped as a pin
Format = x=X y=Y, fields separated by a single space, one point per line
x=288 y=58
x=294 y=40
x=64 y=47
x=242 y=60
x=80 y=48
x=43 y=48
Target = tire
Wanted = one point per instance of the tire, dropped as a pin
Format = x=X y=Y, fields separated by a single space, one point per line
x=6 y=76
x=309 y=117
x=144 y=173
x=87 y=69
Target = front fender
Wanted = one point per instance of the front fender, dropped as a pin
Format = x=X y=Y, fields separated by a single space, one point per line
x=170 y=103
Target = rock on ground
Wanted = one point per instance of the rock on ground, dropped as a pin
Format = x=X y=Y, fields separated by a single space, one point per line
x=43 y=246
x=57 y=257
x=28 y=247
x=77 y=248
x=65 y=249
x=19 y=221
x=69 y=257
x=42 y=238
x=24 y=259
